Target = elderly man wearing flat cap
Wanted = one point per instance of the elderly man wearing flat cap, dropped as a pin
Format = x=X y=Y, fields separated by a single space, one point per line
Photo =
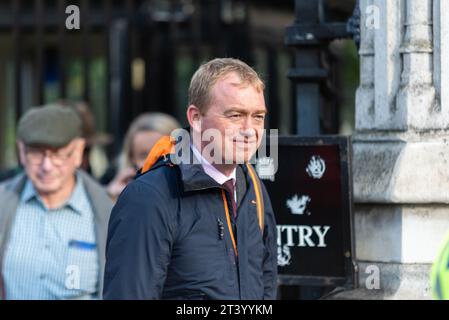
x=53 y=217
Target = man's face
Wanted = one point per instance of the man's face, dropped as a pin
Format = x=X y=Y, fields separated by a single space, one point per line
x=51 y=169
x=238 y=112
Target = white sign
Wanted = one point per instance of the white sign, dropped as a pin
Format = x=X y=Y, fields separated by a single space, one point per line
x=298 y=236
x=298 y=205
x=316 y=167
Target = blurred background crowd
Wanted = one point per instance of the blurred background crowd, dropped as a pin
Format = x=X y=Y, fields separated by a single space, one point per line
x=133 y=57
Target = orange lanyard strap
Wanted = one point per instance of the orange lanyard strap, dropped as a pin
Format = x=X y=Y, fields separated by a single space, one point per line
x=228 y=220
x=259 y=205
x=257 y=191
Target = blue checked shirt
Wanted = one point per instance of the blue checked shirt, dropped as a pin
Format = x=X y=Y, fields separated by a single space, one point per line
x=52 y=254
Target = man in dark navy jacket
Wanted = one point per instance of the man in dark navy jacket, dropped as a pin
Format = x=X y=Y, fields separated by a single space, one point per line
x=201 y=230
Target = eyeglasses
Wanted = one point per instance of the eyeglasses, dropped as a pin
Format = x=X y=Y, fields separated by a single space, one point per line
x=36 y=156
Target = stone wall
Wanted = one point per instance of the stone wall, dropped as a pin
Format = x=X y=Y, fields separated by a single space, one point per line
x=401 y=146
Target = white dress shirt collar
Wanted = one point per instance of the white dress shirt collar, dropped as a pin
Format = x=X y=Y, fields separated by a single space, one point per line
x=211 y=171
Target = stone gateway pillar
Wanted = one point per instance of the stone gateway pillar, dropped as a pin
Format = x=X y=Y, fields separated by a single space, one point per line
x=401 y=147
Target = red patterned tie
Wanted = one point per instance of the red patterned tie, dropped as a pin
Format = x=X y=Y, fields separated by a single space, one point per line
x=229 y=187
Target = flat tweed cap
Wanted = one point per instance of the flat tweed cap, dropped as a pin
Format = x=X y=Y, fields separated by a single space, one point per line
x=51 y=125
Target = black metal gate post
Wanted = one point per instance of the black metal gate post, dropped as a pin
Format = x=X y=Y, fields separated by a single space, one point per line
x=310 y=36
x=308 y=72
x=119 y=82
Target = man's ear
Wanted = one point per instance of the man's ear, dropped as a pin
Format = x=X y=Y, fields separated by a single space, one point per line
x=21 y=151
x=194 y=117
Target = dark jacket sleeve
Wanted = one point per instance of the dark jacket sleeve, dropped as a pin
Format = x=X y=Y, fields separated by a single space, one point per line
x=140 y=238
x=270 y=254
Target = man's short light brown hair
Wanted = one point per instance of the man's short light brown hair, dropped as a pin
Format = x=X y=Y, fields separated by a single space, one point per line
x=210 y=72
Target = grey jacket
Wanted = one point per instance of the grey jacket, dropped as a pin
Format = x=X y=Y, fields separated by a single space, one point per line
x=101 y=203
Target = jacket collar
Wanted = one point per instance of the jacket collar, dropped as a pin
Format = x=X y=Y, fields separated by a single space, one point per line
x=194 y=178
x=75 y=201
x=210 y=169
x=192 y=174
x=99 y=199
